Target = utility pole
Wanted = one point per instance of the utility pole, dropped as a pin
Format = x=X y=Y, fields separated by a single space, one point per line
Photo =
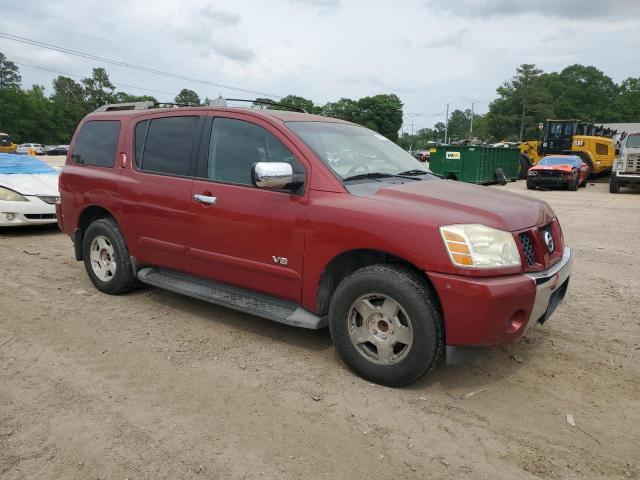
x=446 y=125
x=471 y=128
x=412 y=129
x=522 y=122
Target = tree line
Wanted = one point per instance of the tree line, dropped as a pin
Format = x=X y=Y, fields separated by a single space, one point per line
x=524 y=101
x=533 y=96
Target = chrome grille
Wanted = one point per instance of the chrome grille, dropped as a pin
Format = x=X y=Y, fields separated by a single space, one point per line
x=527 y=246
x=633 y=163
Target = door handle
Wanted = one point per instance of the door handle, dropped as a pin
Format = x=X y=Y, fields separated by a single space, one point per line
x=206 y=199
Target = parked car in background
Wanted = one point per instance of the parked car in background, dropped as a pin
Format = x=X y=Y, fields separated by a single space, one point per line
x=6 y=144
x=556 y=171
x=37 y=148
x=28 y=191
x=626 y=169
x=309 y=221
x=58 y=150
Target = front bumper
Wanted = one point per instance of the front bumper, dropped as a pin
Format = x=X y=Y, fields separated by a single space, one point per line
x=627 y=178
x=549 y=182
x=33 y=212
x=495 y=311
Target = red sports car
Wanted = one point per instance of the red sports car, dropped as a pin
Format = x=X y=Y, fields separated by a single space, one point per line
x=558 y=171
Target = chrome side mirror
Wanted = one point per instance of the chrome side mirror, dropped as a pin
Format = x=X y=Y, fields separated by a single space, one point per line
x=272 y=175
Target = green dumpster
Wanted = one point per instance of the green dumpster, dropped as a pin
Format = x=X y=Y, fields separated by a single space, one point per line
x=475 y=163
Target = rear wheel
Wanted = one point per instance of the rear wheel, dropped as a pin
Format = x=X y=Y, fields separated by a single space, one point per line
x=385 y=324
x=525 y=165
x=106 y=258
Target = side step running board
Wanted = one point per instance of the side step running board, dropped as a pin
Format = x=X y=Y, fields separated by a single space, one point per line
x=232 y=297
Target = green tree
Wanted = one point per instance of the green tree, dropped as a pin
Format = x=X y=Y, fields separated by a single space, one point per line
x=382 y=113
x=344 y=109
x=582 y=92
x=124 y=97
x=522 y=103
x=298 y=102
x=627 y=103
x=98 y=89
x=188 y=97
x=9 y=73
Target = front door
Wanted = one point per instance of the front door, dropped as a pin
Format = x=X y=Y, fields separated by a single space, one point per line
x=241 y=235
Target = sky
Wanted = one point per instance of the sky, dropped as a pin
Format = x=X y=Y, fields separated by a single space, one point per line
x=428 y=52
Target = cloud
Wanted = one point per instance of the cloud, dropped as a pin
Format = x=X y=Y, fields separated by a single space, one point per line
x=554 y=8
x=234 y=52
x=319 y=3
x=219 y=16
x=451 y=39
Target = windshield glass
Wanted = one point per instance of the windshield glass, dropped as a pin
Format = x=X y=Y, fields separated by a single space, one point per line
x=350 y=150
x=633 y=141
x=550 y=161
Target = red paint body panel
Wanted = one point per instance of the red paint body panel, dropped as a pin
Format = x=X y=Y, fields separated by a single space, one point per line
x=238 y=240
x=480 y=312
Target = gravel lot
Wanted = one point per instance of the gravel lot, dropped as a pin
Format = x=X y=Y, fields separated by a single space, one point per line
x=154 y=385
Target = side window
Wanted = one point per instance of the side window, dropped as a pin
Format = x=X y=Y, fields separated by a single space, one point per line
x=97 y=143
x=164 y=145
x=236 y=145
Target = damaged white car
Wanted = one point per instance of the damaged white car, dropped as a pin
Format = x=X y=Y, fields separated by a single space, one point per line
x=28 y=191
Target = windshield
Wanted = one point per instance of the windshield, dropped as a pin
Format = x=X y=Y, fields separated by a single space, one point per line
x=350 y=150
x=550 y=161
x=633 y=141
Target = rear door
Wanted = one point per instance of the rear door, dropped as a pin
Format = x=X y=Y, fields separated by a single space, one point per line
x=252 y=238
x=156 y=192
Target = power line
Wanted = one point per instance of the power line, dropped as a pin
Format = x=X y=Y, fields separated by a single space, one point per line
x=90 y=56
x=84 y=76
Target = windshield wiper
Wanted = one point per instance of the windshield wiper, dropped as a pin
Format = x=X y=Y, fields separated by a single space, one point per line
x=414 y=172
x=367 y=176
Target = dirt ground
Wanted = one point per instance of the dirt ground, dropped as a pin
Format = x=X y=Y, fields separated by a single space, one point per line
x=153 y=385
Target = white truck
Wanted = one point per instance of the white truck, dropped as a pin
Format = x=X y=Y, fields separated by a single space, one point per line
x=626 y=169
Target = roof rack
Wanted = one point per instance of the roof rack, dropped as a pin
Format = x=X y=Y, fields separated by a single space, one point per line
x=146 y=105
x=218 y=102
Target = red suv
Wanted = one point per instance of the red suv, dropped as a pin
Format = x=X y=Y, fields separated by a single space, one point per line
x=309 y=221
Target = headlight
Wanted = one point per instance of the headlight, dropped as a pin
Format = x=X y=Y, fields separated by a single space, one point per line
x=11 y=196
x=479 y=246
x=532 y=173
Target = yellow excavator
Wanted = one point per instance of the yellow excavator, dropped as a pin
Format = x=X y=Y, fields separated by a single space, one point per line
x=592 y=143
x=6 y=144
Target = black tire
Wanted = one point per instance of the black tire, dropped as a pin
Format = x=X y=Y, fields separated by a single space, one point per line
x=500 y=176
x=525 y=165
x=124 y=279
x=418 y=300
x=614 y=185
x=530 y=185
x=573 y=184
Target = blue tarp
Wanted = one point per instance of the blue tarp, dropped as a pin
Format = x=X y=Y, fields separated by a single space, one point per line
x=25 y=164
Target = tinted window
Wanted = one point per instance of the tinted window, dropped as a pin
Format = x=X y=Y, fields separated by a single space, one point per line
x=236 y=145
x=97 y=143
x=168 y=145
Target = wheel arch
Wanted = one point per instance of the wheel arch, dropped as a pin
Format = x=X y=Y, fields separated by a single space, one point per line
x=345 y=263
x=89 y=215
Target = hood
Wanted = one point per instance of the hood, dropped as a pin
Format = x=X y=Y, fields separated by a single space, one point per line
x=445 y=202
x=565 y=167
x=31 y=184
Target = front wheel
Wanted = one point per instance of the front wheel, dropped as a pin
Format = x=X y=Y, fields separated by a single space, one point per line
x=385 y=324
x=106 y=258
x=530 y=185
x=614 y=185
x=573 y=184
